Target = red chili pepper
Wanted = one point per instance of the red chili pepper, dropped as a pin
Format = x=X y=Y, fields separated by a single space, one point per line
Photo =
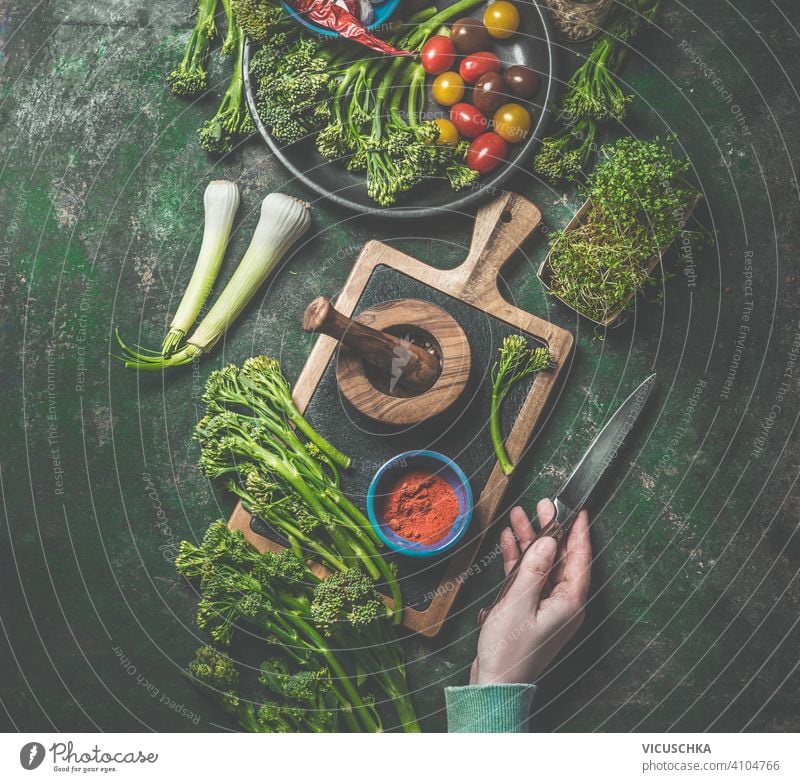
x=333 y=17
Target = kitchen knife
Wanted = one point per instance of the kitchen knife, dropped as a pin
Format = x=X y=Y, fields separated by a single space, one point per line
x=572 y=496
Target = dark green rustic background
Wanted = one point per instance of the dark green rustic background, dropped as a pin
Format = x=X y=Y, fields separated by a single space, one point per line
x=693 y=618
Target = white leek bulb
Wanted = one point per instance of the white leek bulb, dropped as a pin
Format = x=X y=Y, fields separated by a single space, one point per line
x=221 y=200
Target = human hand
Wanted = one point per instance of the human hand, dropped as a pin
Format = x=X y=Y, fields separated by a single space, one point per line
x=544 y=605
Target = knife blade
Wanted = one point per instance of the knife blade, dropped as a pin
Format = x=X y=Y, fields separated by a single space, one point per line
x=572 y=496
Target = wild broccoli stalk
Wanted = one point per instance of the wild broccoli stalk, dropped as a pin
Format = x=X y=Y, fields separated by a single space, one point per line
x=517 y=361
x=304 y=699
x=191 y=77
x=297 y=702
x=237 y=584
x=316 y=623
x=348 y=610
x=304 y=702
x=593 y=96
x=232 y=120
x=253 y=429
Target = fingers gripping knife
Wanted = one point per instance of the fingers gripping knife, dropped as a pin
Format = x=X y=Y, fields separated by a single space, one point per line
x=573 y=495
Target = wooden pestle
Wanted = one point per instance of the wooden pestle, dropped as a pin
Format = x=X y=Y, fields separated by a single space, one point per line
x=413 y=367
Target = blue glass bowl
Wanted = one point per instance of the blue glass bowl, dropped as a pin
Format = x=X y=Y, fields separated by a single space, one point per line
x=419 y=460
x=383 y=12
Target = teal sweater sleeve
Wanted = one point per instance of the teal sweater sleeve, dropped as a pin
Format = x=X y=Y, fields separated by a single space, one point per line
x=489 y=708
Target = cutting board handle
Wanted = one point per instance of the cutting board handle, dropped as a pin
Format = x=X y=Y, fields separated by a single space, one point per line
x=500 y=228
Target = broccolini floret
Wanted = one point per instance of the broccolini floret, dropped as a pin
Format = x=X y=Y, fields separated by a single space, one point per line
x=517 y=361
x=294 y=86
x=260 y=19
x=232 y=120
x=191 y=77
x=304 y=698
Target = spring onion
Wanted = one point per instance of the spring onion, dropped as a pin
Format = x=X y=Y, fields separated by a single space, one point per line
x=221 y=200
x=283 y=221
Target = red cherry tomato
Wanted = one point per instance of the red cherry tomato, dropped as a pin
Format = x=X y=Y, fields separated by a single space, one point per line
x=468 y=120
x=486 y=153
x=474 y=66
x=438 y=54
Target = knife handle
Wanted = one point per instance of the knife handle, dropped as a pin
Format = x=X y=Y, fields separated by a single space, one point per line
x=553 y=530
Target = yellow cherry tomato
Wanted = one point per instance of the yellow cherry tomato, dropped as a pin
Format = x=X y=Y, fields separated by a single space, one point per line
x=447 y=88
x=512 y=122
x=501 y=19
x=448 y=134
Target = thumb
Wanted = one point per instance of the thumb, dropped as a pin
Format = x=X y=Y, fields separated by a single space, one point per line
x=533 y=571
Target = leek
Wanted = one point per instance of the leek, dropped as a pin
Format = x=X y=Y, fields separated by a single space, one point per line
x=282 y=222
x=221 y=200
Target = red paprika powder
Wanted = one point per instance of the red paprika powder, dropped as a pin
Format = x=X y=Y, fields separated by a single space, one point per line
x=421 y=507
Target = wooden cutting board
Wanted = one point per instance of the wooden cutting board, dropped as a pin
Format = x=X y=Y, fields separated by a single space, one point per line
x=500 y=228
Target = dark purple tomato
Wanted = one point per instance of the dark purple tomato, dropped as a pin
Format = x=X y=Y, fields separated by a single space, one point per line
x=468 y=120
x=487 y=94
x=521 y=82
x=470 y=35
x=438 y=54
x=474 y=66
x=486 y=153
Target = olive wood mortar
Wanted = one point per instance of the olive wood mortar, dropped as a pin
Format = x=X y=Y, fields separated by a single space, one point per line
x=382 y=372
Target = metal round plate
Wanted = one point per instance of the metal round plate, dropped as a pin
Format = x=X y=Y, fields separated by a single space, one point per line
x=532 y=46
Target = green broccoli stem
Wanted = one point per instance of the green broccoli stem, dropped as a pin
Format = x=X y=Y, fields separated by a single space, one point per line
x=498 y=440
x=293 y=630
x=386 y=570
x=318 y=642
x=190 y=77
x=296 y=417
x=416 y=95
x=229 y=44
x=246 y=715
x=393 y=683
x=234 y=95
x=351 y=536
x=386 y=84
x=219 y=134
x=420 y=16
x=395 y=115
x=383 y=657
x=323 y=552
x=291 y=531
x=281 y=394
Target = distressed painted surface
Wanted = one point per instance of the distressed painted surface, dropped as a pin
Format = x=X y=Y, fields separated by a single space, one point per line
x=692 y=623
